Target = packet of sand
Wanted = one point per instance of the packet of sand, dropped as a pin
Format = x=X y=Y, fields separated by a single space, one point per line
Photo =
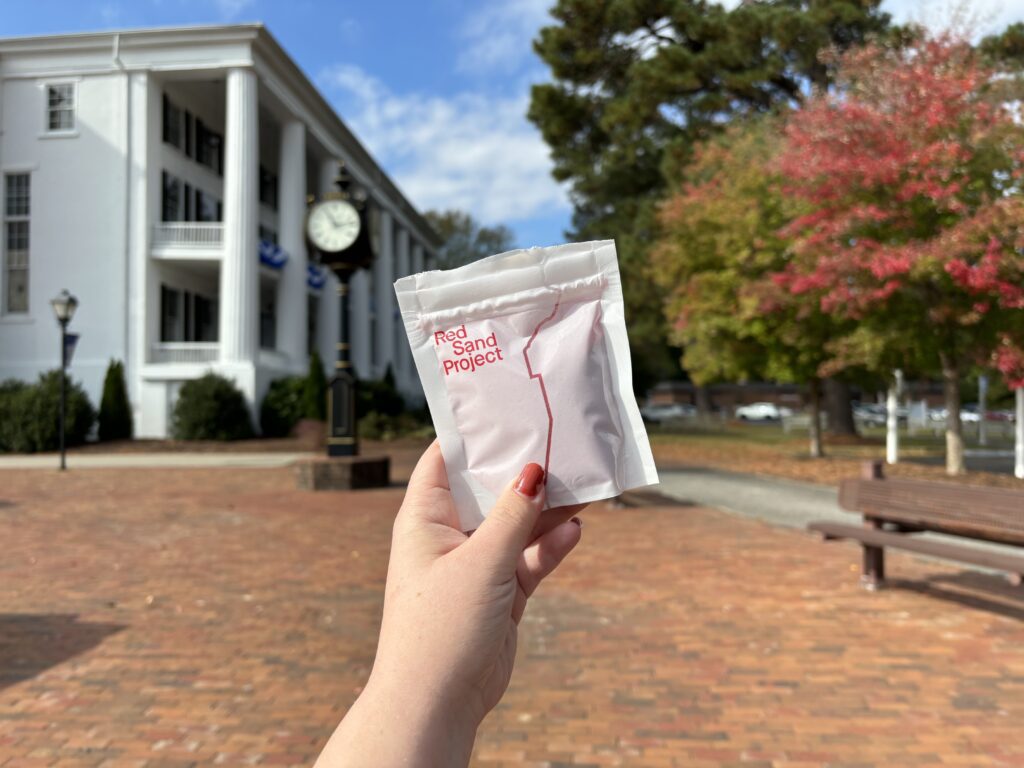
x=524 y=357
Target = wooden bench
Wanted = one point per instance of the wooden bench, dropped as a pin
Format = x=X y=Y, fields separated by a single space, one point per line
x=894 y=510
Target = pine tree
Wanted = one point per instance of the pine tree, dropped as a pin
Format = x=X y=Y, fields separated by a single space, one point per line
x=115 y=410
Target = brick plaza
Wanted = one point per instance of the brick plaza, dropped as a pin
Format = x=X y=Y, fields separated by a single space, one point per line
x=166 y=618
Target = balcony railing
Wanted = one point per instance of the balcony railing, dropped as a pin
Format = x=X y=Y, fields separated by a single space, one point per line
x=188 y=234
x=185 y=352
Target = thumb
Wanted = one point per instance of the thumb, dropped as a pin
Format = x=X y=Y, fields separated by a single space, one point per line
x=504 y=534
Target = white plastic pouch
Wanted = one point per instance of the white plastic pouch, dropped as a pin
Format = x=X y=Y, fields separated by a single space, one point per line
x=524 y=358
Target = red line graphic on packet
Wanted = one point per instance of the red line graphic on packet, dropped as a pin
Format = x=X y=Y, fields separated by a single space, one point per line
x=540 y=380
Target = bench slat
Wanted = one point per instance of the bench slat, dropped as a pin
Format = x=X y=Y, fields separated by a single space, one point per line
x=874 y=537
x=992 y=514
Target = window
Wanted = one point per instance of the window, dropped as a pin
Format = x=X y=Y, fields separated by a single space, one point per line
x=268 y=316
x=17 y=199
x=208 y=208
x=60 y=107
x=170 y=203
x=190 y=144
x=312 y=315
x=209 y=148
x=187 y=316
x=268 y=188
x=172 y=123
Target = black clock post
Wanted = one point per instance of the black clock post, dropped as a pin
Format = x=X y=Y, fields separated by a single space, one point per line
x=338 y=233
x=342 y=433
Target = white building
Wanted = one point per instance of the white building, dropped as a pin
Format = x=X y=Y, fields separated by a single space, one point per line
x=146 y=171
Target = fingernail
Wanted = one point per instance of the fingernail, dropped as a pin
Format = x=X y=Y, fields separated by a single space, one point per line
x=577 y=521
x=530 y=480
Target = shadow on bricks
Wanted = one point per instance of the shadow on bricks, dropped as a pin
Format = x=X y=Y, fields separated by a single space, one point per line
x=31 y=643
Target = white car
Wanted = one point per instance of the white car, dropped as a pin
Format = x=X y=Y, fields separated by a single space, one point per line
x=762 y=412
x=667 y=412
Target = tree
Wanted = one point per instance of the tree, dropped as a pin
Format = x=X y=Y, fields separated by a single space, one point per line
x=314 y=396
x=911 y=168
x=115 y=410
x=719 y=247
x=465 y=239
x=636 y=82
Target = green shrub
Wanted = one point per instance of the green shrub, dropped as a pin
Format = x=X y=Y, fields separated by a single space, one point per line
x=379 y=396
x=283 y=406
x=211 y=408
x=115 y=411
x=314 y=399
x=379 y=426
x=30 y=414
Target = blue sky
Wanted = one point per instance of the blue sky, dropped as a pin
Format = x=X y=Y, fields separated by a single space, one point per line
x=436 y=89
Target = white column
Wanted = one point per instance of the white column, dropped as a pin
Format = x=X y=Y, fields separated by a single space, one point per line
x=1018 y=430
x=384 y=300
x=144 y=302
x=291 y=289
x=403 y=358
x=239 y=274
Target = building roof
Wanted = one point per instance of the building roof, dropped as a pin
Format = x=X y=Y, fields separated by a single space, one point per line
x=124 y=46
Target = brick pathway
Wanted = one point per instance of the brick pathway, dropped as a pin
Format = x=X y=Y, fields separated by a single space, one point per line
x=219 y=617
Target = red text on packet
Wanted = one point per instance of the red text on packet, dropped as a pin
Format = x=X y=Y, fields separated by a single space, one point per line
x=467 y=354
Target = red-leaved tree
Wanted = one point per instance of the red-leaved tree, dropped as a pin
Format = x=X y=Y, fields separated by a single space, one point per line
x=912 y=166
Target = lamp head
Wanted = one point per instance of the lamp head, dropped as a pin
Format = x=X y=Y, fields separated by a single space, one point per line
x=64 y=306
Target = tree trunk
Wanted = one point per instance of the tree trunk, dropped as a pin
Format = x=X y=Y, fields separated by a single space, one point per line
x=703 y=396
x=817 y=450
x=839 y=408
x=954 y=427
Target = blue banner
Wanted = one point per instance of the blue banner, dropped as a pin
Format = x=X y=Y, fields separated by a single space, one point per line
x=272 y=255
x=70 y=342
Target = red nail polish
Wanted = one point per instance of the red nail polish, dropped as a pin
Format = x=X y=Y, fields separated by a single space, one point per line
x=530 y=480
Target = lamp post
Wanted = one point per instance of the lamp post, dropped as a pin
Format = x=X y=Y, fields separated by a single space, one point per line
x=64 y=306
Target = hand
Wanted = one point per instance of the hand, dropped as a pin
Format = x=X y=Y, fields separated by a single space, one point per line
x=452 y=604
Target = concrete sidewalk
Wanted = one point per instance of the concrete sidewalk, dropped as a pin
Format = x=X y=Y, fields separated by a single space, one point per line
x=156 y=460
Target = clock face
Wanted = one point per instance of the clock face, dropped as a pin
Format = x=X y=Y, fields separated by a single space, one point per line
x=333 y=225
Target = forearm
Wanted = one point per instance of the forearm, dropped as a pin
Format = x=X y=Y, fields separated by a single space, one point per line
x=394 y=725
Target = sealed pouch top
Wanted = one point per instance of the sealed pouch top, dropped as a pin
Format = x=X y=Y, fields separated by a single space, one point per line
x=524 y=359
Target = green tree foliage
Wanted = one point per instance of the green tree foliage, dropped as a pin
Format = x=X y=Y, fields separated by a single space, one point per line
x=30 y=414
x=314 y=399
x=1005 y=50
x=720 y=246
x=636 y=81
x=465 y=239
x=115 y=410
x=211 y=408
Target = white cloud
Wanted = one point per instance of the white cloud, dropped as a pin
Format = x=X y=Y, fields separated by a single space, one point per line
x=470 y=151
x=229 y=9
x=498 y=36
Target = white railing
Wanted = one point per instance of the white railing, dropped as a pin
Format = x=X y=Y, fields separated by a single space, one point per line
x=185 y=352
x=188 y=234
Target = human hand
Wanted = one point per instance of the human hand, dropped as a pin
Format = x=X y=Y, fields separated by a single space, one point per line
x=452 y=605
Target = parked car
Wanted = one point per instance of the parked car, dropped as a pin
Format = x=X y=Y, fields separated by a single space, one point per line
x=876 y=414
x=762 y=412
x=660 y=412
x=969 y=414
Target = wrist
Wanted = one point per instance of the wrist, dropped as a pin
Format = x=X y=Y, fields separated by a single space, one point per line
x=415 y=715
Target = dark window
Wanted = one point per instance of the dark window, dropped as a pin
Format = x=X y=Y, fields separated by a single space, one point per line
x=268 y=317
x=209 y=149
x=268 y=188
x=172 y=123
x=208 y=208
x=170 y=311
x=312 y=313
x=60 y=107
x=189 y=135
x=189 y=200
x=17 y=205
x=171 y=198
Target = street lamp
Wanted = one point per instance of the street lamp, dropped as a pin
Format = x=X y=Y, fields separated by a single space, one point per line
x=64 y=306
